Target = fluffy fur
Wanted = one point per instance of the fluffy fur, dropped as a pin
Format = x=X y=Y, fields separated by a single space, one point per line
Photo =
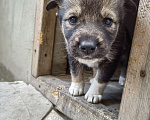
x=111 y=42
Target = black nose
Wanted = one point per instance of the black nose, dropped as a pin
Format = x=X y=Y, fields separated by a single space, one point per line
x=88 y=47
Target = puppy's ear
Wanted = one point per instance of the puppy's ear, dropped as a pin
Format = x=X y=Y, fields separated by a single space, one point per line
x=52 y=4
x=130 y=6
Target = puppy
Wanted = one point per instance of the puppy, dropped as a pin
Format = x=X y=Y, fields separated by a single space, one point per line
x=96 y=35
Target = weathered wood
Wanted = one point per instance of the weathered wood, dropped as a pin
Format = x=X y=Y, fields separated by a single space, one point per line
x=77 y=108
x=135 y=103
x=59 y=63
x=43 y=39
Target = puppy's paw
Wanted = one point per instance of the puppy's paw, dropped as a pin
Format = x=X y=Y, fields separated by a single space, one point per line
x=91 y=81
x=121 y=80
x=93 y=98
x=94 y=94
x=76 y=89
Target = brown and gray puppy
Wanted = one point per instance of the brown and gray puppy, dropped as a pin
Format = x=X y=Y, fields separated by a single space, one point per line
x=96 y=36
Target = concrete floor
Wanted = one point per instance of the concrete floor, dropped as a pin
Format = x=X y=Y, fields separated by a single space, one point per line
x=19 y=101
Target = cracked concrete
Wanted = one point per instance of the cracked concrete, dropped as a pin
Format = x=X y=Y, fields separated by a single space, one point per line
x=19 y=101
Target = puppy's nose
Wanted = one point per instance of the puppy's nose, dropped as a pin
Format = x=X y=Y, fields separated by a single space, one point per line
x=88 y=47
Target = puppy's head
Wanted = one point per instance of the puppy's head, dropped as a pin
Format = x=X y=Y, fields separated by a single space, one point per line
x=90 y=26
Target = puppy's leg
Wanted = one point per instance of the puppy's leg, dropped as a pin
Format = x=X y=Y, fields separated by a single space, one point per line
x=94 y=74
x=103 y=74
x=77 y=84
x=124 y=64
x=122 y=75
x=94 y=94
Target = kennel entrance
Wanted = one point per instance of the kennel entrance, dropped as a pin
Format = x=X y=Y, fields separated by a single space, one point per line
x=49 y=70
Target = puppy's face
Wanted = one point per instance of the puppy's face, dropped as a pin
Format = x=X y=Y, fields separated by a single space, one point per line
x=89 y=26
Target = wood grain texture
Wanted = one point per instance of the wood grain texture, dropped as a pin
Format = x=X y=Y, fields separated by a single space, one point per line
x=59 y=63
x=77 y=108
x=43 y=39
x=135 y=103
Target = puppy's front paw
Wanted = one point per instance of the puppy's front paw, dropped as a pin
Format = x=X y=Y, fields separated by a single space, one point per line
x=94 y=94
x=76 y=89
x=93 y=98
x=122 y=80
x=91 y=80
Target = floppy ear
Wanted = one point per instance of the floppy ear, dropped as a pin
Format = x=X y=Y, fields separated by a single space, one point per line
x=52 y=4
x=130 y=6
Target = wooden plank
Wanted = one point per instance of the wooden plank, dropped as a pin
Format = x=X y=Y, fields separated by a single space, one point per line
x=135 y=103
x=77 y=108
x=43 y=39
x=59 y=63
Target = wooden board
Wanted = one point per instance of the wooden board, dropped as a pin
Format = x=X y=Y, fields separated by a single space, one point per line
x=43 y=39
x=59 y=63
x=135 y=103
x=76 y=108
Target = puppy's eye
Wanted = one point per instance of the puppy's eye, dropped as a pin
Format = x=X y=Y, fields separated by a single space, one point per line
x=108 y=22
x=73 y=20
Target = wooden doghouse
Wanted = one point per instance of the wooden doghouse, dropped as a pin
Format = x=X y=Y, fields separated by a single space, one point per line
x=50 y=58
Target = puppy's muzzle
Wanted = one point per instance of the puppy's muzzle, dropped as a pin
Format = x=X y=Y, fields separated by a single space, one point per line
x=88 y=45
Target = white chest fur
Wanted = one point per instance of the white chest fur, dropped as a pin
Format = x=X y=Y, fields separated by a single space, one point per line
x=90 y=63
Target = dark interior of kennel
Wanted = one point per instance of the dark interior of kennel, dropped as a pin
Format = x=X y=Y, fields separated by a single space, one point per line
x=50 y=72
